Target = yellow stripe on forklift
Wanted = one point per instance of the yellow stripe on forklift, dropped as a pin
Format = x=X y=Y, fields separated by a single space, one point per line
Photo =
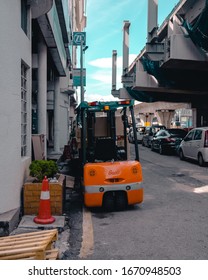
x=116 y=187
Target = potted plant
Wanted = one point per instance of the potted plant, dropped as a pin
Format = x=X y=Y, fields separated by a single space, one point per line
x=33 y=186
x=41 y=168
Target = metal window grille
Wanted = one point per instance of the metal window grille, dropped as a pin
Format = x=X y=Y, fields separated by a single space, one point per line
x=23 y=110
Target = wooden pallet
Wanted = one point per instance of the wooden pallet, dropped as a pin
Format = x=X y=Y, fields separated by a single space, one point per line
x=38 y=245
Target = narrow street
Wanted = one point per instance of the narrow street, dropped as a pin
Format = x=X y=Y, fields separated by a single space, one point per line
x=171 y=223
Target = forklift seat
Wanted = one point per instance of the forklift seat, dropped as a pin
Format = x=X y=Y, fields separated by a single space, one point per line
x=105 y=149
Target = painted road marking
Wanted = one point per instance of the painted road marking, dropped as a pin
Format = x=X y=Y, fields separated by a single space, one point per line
x=88 y=237
x=203 y=189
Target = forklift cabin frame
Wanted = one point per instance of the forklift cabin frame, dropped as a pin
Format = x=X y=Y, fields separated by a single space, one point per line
x=95 y=148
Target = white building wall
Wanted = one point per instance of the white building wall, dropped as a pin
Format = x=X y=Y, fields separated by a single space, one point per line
x=15 y=46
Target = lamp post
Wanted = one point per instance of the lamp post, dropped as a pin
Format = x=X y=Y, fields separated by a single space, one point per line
x=81 y=72
x=82 y=50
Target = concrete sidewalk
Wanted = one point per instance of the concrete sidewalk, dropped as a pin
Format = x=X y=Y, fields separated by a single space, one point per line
x=27 y=224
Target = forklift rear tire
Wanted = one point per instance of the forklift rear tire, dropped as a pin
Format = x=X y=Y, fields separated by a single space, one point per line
x=120 y=201
x=109 y=201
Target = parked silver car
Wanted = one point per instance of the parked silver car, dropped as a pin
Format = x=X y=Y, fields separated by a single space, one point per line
x=195 y=145
x=140 y=134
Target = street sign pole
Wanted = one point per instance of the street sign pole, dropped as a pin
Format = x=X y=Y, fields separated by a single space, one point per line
x=79 y=39
x=81 y=72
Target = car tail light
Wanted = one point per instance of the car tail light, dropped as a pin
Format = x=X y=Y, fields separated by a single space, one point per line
x=206 y=139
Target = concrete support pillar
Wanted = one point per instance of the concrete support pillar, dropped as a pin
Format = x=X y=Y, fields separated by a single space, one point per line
x=146 y=118
x=165 y=117
x=56 y=115
x=152 y=20
x=42 y=92
x=114 y=69
x=126 y=46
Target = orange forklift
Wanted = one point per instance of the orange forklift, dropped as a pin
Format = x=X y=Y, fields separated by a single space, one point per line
x=109 y=178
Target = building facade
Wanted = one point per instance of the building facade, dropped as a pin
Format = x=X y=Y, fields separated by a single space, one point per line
x=36 y=88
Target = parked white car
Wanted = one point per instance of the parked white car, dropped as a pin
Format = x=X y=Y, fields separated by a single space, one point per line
x=195 y=145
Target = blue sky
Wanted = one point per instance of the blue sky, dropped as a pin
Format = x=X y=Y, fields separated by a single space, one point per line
x=104 y=34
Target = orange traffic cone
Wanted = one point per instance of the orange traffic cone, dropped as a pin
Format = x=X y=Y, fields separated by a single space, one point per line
x=44 y=215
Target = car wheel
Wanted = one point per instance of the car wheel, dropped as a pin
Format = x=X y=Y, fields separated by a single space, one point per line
x=120 y=201
x=200 y=160
x=181 y=155
x=109 y=201
x=152 y=147
x=161 y=150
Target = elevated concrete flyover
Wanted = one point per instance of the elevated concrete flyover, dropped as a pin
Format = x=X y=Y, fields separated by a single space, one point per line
x=173 y=66
x=158 y=112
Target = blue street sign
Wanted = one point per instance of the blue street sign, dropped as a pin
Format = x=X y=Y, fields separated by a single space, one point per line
x=77 y=77
x=79 y=37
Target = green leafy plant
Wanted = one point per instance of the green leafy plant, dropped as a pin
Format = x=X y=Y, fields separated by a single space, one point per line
x=41 y=168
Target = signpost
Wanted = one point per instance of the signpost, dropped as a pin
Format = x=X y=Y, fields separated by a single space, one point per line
x=77 y=77
x=186 y=112
x=79 y=39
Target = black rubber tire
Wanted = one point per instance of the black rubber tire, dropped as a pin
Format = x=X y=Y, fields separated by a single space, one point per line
x=181 y=155
x=161 y=150
x=120 y=201
x=109 y=201
x=200 y=160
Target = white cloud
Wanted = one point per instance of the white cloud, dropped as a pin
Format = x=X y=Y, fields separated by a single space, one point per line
x=106 y=62
x=103 y=72
x=99 y=79
x=102 y=76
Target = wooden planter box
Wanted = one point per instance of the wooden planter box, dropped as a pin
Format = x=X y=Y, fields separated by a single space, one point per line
x=31 y=196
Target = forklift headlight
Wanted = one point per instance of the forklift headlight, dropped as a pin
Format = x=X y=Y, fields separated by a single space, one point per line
x=101 y=189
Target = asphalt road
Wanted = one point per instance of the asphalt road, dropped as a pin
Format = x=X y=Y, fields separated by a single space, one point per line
x=171 y=223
